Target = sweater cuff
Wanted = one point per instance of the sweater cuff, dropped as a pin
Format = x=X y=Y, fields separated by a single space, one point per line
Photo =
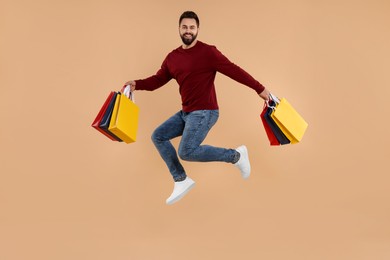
x=137 y=84
x=260 y=88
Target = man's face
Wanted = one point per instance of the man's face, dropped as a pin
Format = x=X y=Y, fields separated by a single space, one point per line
x=188 y=30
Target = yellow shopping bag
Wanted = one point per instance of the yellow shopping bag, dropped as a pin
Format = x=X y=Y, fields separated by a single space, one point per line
x=289 y=121
x=124 y=119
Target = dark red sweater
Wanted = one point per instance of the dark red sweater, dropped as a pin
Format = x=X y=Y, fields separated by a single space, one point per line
x=194 y=70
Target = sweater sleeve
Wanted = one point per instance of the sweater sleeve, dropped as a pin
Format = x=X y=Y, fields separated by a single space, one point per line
x=226 y=67
x=156 y=81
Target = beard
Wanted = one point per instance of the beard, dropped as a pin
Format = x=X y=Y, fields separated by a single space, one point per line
x=189 y=40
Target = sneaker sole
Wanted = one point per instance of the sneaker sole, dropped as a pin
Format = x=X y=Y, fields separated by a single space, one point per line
x=181 y=195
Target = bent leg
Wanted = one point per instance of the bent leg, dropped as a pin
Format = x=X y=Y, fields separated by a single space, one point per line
x=197 y=126
x=161 y=137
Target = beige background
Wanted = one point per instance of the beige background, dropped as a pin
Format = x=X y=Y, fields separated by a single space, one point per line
x=67 y=192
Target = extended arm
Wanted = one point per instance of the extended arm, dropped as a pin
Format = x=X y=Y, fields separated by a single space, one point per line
x=153 y=82
x=226 y=67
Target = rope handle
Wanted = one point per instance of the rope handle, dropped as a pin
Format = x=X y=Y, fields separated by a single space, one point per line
x=273 y=98
x=129 y=94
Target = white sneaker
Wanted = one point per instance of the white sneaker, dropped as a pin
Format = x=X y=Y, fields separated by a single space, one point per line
x=243 y=163
x=181 y=188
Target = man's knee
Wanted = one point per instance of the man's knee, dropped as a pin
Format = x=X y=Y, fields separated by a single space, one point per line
x=186 y=155
x=155 y=137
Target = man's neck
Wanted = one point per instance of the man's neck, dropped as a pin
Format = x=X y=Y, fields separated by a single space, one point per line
x=189 y=46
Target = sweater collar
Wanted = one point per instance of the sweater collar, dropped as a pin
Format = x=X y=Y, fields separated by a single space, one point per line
x=197 y=44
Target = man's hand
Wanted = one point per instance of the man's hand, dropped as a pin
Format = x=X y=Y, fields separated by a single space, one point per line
x=132 y=85
x=265 y=94
x=128 y=87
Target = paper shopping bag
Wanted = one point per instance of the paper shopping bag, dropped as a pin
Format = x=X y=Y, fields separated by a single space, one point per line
x=124 y=120
x=289 y=121
x=96 y=123
x=105 y=123
x=274 y=127
x=271 y=136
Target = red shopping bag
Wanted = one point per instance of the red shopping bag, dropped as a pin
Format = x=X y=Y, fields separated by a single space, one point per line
x=270 y=134
x=100 y=115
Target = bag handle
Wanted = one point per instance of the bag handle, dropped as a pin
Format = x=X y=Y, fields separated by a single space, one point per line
x=273 y=98
x=130 y=94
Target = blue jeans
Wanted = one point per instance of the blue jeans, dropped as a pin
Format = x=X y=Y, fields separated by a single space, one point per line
x=193 y=127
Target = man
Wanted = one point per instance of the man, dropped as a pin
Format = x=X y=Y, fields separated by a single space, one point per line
x=194 y=65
